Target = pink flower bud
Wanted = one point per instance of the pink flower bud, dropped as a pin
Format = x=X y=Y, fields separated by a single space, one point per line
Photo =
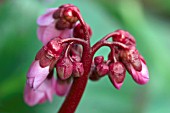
x=98 y=60
x=49 y=54
x=78 y=31
x=140 y=77
x=64 y=68
x=124 y=37
x=102 y=69
x=78 y=69
x=41 y=94
x=132 y=57
x=36 y=74
x=53 y=24
x=65 y=16
x=93 y=75
x=54 y=48
x=117 y=74
x=135 y=65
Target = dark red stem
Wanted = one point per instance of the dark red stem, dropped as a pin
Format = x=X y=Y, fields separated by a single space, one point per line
x=102 y=43
x=79 y=84
x=75 y=40
x=73 y=98
x=86 y=33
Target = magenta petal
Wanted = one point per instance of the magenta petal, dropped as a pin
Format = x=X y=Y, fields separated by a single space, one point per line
x=38 y=81
x=32 y=97
x=62 y=88
x=40 y=32
x=46 y=18
x=67 y=33
x=30 y=81
x=38 y=73
x=141 y=77
x=48 y=87
x=51 y=32
x=115 y=84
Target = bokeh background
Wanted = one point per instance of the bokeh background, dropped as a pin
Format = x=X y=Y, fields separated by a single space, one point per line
x=147 y=20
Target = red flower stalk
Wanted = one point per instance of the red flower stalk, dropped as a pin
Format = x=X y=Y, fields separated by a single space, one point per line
x=66 y=39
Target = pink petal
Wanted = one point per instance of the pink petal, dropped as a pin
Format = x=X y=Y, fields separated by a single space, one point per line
x=33 y=97
x=38 y=81
x=46 y=18
x=30 y=81
x=141 y=77
x=51 y=32
x=117 y=85
x=62 y=87
x=38 y=73
x=40 y=32
x=48 y=87
x=67 y=33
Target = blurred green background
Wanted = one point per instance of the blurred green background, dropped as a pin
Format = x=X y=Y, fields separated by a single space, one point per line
x=147 y=20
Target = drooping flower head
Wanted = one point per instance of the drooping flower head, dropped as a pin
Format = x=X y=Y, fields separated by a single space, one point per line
x=57 y=22
x=67 y=50
x=123 y=56
x=53 y=26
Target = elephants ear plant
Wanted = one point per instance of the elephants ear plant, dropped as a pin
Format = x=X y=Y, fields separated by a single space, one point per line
x=66 y=48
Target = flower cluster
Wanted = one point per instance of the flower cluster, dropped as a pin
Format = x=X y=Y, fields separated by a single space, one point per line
x=56 y=24
x=67 y=52
x=122 y=57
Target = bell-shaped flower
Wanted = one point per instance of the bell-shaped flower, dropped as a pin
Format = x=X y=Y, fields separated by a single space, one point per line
x=44 y=63
x=36 y=74
x=44 y=92
x=135 y=65
x=140 y=77
x=56 y=22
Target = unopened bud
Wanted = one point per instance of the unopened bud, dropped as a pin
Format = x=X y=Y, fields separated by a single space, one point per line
x=64 y=68
x=124 y=37
x=44 y=58
x=98 y=60
x=54 y=48
x=94 y=76
x=78 y=69
x=70 y=16
x=117 y=74
x=102 y=69
x=132 y=57
x=62 y=24
x=78 y=31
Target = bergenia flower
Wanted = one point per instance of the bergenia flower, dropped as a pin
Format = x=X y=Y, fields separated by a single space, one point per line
x=56 y=22
x=66 y=46
x=40 y=82
x=140 y=77
x=135 y=65
x=44 y=92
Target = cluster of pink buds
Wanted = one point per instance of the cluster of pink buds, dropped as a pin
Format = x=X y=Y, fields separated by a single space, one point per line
x=67 y=50
x=123 y=56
